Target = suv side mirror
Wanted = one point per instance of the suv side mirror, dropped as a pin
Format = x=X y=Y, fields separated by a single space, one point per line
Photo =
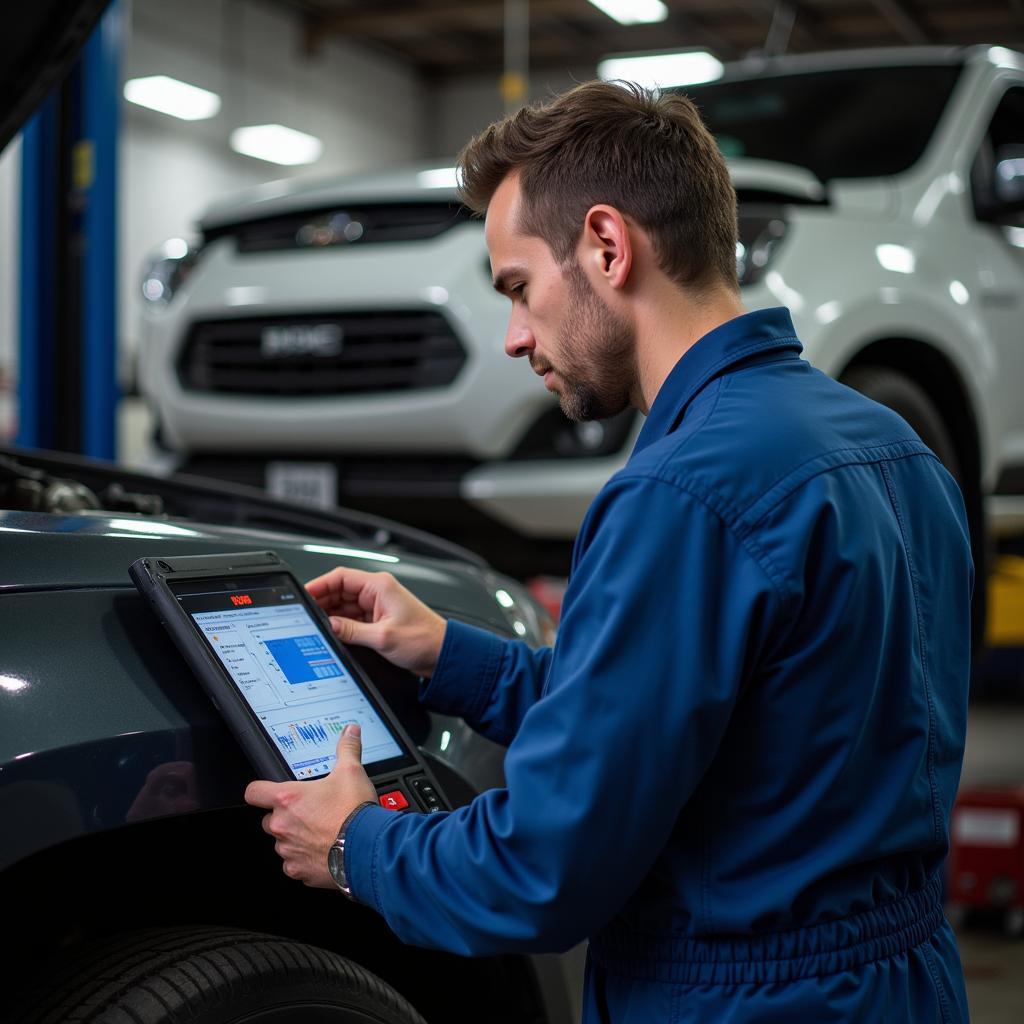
x=999 y=184
x=1009 y=178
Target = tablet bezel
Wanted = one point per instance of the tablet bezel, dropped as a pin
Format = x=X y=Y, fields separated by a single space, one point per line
x=162 y=577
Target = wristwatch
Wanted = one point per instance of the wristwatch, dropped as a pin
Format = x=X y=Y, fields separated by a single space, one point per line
x=336 y=854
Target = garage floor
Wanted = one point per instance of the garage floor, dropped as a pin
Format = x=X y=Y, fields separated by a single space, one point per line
x=993 y=963
x=994 y=968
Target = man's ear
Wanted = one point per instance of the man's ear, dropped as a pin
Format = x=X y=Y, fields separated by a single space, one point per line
x=606 y=248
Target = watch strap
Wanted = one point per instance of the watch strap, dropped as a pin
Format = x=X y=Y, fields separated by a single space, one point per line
x=340 y=876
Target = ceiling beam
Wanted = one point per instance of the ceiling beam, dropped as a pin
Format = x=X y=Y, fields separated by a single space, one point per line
x=901 y=19
x=411 y=19
x=695 y=32
x=807 y=24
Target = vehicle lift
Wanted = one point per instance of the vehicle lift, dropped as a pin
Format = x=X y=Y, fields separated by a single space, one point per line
x=67 y=389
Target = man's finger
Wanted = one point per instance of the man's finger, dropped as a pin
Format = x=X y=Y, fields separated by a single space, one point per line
x=352 y=631
x=338 y=582
x=350 y=747
x=262 y=794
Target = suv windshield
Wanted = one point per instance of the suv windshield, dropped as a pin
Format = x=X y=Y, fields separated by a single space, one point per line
x=850 y=123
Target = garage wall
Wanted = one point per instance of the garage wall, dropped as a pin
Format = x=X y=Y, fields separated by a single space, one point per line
x=462 y=107
x=367 y=108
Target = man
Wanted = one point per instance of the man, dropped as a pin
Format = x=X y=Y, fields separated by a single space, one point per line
x=734 y=770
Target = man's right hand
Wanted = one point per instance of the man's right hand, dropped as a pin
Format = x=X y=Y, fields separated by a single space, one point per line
x=374 y=610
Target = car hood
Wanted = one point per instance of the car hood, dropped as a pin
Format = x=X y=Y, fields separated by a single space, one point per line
x=44 y=551
x=71 y=523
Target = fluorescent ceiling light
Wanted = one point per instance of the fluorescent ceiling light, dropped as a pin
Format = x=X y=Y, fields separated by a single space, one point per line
x=633 y=12
x=660 y=70
x=169 y=96
x=276 y=144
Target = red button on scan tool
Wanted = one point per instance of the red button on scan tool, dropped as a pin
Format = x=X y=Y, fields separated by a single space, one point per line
x=394 y=801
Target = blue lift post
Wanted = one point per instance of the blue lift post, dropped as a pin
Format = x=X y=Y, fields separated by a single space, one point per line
x=68 y=346
x=101 y=104
x=37 y=327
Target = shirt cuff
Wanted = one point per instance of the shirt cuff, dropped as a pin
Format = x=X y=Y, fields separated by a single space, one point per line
x=467 y=669
x=361 y=838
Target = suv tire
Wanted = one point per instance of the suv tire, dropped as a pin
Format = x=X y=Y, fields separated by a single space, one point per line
x=214 y=976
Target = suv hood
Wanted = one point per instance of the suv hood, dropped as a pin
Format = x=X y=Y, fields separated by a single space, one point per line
x=434 y=183
x=428 y=183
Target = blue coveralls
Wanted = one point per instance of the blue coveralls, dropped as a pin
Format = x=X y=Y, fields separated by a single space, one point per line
x=734 y=770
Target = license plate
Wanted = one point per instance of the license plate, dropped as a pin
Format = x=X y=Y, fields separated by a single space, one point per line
x=307 y=483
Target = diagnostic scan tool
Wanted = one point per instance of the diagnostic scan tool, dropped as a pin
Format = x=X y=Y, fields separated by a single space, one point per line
x=265 y=654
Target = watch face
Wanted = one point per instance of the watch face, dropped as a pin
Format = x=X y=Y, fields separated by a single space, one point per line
x=336 y=864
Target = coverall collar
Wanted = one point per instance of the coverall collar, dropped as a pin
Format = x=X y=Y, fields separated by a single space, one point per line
x=735 y=341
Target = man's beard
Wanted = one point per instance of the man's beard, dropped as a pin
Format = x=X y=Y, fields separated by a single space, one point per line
x=598 y=355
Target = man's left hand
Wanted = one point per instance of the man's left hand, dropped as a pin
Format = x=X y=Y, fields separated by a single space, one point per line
x=305 y=817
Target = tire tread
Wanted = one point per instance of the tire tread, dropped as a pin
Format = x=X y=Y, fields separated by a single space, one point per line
x=169 y=976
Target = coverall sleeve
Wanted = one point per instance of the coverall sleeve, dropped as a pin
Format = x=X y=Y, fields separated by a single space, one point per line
x=664 y=616
x=488 y=681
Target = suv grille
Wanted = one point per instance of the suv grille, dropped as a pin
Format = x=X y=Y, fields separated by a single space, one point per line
x=344 y=226
x=331 y=354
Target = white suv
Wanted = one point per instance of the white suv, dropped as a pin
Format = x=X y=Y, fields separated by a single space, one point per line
x=343 y=342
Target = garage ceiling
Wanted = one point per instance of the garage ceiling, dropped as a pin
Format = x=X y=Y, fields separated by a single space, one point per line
x=449 y=38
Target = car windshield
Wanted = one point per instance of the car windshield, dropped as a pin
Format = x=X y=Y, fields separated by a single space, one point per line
x=849 y=123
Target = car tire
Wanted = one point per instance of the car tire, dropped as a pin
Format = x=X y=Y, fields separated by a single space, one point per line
x=898 y=392
x=215 y=976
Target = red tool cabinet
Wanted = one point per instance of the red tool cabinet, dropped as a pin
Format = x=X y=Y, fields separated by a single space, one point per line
x=986 y=860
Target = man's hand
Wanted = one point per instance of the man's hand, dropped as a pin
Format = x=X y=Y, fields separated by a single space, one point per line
x=305 y=817
x=374 y=610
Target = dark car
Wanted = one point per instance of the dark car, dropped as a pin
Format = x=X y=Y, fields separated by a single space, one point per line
x=131 y=872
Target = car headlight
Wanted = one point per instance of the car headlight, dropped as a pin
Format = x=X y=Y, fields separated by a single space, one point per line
x=760 y=236
x=166 y=270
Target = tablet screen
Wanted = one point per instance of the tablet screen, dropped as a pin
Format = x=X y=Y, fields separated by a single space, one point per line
x=276 y=653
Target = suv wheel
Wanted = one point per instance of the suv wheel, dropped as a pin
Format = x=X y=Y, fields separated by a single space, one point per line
x=214 y=976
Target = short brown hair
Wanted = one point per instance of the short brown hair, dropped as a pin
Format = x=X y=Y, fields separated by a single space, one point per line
x=648 y=155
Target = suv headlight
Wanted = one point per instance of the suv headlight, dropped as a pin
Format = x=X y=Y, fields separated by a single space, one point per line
x=760 y=236
x=166 y=269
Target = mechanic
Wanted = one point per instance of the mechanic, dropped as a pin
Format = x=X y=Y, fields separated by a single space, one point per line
x=734 y=770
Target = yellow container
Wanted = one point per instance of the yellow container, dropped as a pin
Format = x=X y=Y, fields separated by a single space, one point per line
x=1005 y=626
